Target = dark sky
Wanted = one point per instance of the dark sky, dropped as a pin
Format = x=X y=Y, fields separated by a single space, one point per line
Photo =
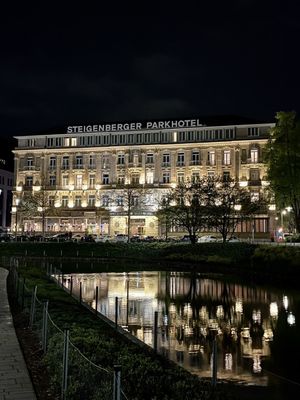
x=87 y=68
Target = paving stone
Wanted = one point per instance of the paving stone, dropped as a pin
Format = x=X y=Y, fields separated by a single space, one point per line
x=15 y=382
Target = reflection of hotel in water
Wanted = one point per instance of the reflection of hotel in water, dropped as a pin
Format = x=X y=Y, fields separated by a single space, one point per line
x=191 y=312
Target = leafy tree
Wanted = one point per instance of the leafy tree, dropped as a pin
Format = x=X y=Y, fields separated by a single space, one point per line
x=165 y=215
x=283 y=160
x=187 y=206
x=228 y=205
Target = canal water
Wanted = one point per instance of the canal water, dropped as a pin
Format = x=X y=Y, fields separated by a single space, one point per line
x=256 y=329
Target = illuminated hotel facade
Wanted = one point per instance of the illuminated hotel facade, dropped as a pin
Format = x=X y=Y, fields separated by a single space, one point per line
x=86 y=172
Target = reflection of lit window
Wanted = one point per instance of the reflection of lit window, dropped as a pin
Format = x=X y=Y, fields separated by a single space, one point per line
x=274 y=310
x=256 y=364
x=220 y=312
x=285 y=301
x=256 y=316
x=228 y=361
x=238 y=306
x=291 y=319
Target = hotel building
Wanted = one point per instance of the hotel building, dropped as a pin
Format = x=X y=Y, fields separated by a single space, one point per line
x=88 y=173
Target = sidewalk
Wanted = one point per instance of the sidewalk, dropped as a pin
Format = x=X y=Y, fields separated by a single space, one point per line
x=15 y=382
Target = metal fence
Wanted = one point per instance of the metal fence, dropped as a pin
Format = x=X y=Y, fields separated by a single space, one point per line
x=76 y=376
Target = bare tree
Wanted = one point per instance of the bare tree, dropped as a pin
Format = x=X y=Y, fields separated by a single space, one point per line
x=131 y=199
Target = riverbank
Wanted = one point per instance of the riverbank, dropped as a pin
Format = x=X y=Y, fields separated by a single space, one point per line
x=279 y=265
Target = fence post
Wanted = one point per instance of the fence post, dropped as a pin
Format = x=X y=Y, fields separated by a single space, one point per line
x=214 y=363
x=80 y=292
x=32 y=308
x=65 y=364
x=62 y=279
x=71 y=286
x=45 y=326
x=117 y=382
x=23 y=294
x=155 y=330
x=116 y=312
x=96 y=300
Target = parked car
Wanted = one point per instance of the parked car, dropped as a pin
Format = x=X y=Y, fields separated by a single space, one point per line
x=208 y=238
x=77 y=237
x=59 y=237
x=233 y=239
x=103 y=239
x=121 y=238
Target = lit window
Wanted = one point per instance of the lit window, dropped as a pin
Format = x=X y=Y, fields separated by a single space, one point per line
x=92 y=180
x=254 y=155
x=92 y=200
x=135 y=179
x=78 y=181
x=65 y=180
x=105 y=201
x=211 y=158
x=73 y=141
x=149 y=177
x=226 y=157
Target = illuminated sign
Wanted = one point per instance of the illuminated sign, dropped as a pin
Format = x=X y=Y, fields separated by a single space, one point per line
x=135 y=126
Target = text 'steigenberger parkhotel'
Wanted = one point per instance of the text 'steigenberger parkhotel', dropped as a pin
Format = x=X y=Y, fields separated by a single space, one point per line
x=85 y=171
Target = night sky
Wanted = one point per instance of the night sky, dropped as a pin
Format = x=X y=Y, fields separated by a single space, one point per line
x=88 y=68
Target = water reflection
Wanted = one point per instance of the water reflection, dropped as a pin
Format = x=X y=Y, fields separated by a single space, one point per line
x=192 y=312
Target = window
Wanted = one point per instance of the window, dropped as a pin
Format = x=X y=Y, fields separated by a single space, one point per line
x=52 y=180
x=135 y=159
x=78 y=181
x=166 y=160
x=120 y=201
x=149 y=177
x=195 y=158
x=79 y=162
x=166 y=177
x=105 y=178
x=121 y=159
x=92 y=179
x=254 y=174
x=92 y=162
x=180 y=177
x=149 y=158
x=254 y=131
x=91 y=200
x=226 y=176
x=64 y=201
x=254 y=155
x=52 y=162
x=30 y=142
x=29 y=162
x=51 y=201
x=226 y=157
x=210 y=174
x=105 y=161
x=135 y=200
x=195 y=176
x=65 y=180
x=211 y=158
x=29 y=181
x=121 y=179
x=65 y=162
x=73 y=142
x=66 y=142
x=77 y=201
x=105 y=201
x=180 y=159
x=135 y=179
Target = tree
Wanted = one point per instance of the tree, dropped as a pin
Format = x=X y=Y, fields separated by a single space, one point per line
x=228 y=205
x=283 y=161
x=131 y=199
x=188 y=206
x=37 y=203
x=165 y=215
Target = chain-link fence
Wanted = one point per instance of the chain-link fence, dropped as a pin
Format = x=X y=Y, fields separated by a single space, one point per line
x=73 y=375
